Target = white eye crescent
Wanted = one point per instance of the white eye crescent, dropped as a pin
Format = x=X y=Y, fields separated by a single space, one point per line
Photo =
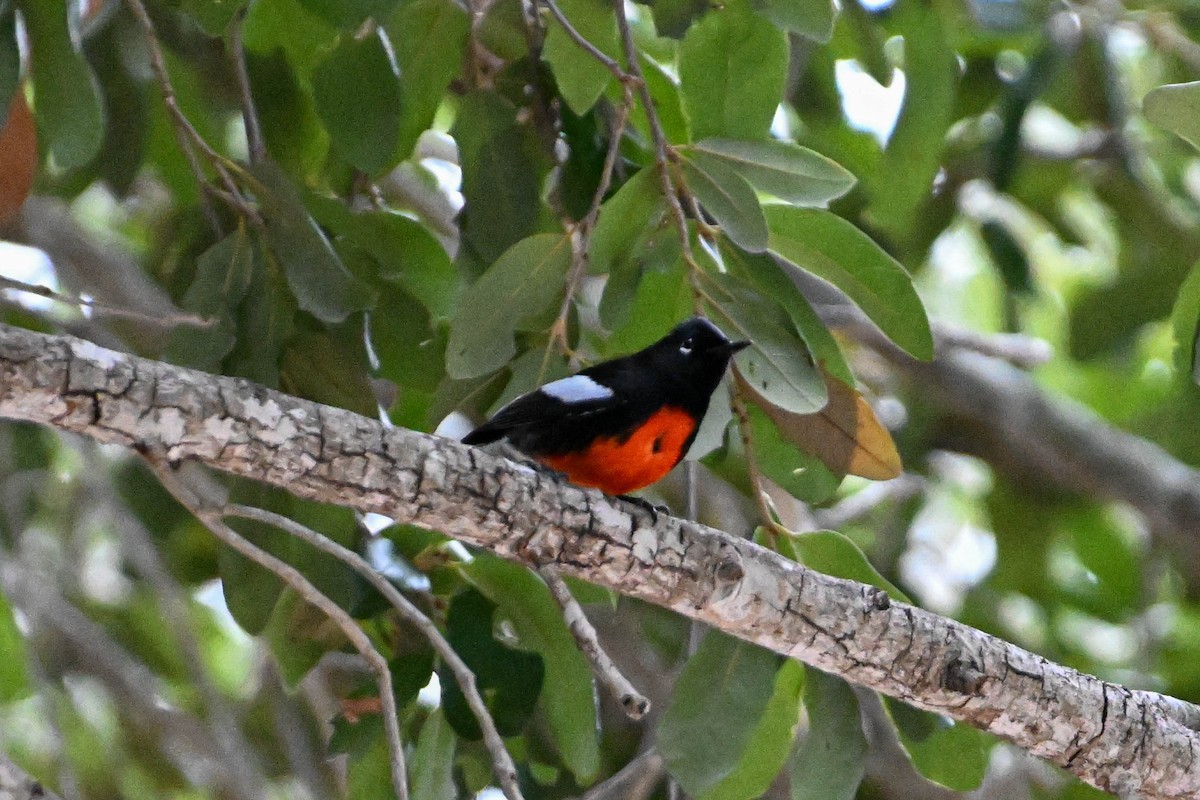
x=686 y=347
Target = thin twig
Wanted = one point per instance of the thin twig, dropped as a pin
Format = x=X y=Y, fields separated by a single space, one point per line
x=588 y=47
x=582 y=232
x=1163 y=29
x=178 y=318
x=185 y=132
x=664 y=154
x=756 y=480
x=635 y=781
x=211 y=517
x=173 y=605
x=634 y=702
x=502 y=764
x=254 y=136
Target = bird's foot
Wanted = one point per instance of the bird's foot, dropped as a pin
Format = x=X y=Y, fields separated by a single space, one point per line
x=653 y=509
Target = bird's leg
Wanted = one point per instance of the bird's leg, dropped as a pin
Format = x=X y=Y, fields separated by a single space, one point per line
x=652 y=508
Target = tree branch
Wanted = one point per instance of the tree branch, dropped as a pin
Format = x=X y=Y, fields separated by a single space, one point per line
x=1126 y=742
x=16 y=785
x=211 y=517
x=1055 y=439
x=634 y=702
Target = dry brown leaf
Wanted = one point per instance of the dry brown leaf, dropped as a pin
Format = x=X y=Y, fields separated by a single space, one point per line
x=18 y=156
x=845 y=435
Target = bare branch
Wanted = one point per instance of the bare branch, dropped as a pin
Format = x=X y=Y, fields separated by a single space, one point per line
x=189 y=138
x=582 y=232
x=15 y=784
x=254 y=135
x=635 y=781
x=211 y=517
x=1020 y=427
x=169 y=320
x=502 y=764
x=1129 y=743
x=591 y=49
x=173 y=605
x=663 y=152
x=634 y=702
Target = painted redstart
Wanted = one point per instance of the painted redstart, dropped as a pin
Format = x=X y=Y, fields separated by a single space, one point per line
x=620 y=425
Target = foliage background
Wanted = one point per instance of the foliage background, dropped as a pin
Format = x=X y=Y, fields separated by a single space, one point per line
x=397 y=235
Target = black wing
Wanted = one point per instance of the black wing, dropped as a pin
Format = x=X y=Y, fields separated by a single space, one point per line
x=531 y=408
x=541 y=420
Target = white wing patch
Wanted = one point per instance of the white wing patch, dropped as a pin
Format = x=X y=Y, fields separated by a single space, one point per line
x=577 y=389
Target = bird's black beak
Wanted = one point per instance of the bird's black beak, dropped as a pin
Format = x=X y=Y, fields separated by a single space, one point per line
x=737 y=347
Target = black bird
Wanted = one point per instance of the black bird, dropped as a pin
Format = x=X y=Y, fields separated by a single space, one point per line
x=623 y=424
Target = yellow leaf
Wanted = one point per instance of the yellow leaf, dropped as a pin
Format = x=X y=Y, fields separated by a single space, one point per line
x=845 y=435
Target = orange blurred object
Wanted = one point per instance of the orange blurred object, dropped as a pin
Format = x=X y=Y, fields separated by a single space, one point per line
x=18 y=156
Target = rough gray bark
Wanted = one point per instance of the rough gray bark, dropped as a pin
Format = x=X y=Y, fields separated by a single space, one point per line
x=1131 y=743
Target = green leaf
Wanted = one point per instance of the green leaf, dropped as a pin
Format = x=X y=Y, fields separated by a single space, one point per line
x=410 y=353
x=264 y=323
x=811 y=18
x=777 y=363
x=430 y=39
x=674 y=17
x=223 y=275
x=329 y=367
x=1185 y=320
x=662 y=298
x=349 y=15
x=830 y=762
x=665 y=95
x=214 y=16
x=289 y=27
x=251 y=591
x=951 y=754
x=581 y=78
x=783 y=169
x=317 y=277
x=833 y=249
x=903 y=181
x=504 y=164
x=771 y=279
x=631 y=236
x=726 y=694
x=368 y=776
x=729 y=199
x=800 y=474
x=10 y=62
x=526 y=281
x=433 y=762
x=291 y=127
x=403 y=250
x=567 y=695
x=732 y=68
x=14 y=677
x=834 y=554
x=637 y=206
x=411 y=672
x=1176 y=107
x=299 y=635
x=510 y=680
x=768 y=748
x=69 y=111
x=357 y=95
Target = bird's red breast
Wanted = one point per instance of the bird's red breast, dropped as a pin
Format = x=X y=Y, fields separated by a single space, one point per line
x=623 y=465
